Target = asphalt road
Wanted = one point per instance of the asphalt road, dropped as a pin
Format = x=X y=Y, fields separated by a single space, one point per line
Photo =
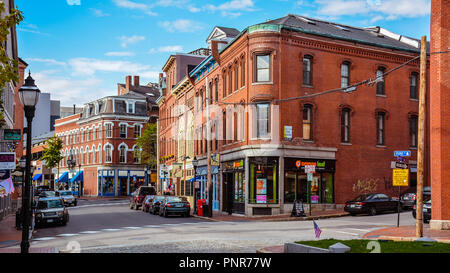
x=112 y=227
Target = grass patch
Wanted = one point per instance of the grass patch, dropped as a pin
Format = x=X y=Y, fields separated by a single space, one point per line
x=360 y=246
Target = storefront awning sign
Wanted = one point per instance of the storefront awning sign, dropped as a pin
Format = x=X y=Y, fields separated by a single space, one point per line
x=310 y=168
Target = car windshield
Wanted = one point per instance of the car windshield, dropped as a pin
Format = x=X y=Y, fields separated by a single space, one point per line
x=176 y=199
x=49 y=204
x=49 y=193
x=65 y=193
x=158 y=198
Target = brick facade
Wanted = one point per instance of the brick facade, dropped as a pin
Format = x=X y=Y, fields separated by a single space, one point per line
x=440 y=114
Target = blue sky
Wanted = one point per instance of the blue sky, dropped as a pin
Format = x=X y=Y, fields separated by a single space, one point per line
x=78 y=50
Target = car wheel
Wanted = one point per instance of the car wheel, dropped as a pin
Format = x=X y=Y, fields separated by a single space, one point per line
x=372 y=211
x=75 y=204
x=187 y=214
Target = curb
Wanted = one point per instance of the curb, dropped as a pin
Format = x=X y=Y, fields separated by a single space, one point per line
x=307 y=218
x=409 y=239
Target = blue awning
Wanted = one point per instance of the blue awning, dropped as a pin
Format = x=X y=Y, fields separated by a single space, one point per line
x=63 y=178
x=193 y=179
x=37 y=177
x=77 y=177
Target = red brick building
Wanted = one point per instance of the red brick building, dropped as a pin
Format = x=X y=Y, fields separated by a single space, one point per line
x=440 y=114
x=102 y=142
x=266 y=126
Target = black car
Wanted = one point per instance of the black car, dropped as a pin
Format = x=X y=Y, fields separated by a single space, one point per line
x=426 y=211
x=175 y=205
x=45 y=194
x=51 y=210
x=155 y=204
x=371 y=204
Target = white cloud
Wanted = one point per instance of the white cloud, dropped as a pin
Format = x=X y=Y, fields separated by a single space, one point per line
x=134 y=5
x=47 y=61
x=181 y=25
x=234 y=5
x=390 y=9
x=87 y=66
x=99 y=13
x=120 y=54
x=130 y=40
x=174 y=48
x=73 y=2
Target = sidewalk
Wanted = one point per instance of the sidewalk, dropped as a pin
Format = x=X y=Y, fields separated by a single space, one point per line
x=221 y=216
x=91 y=198
x=408 y=233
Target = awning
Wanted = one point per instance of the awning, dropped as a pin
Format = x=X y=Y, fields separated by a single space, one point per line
x=37 y=177
x=63 y=178
x=77 y=177
x=193 y=179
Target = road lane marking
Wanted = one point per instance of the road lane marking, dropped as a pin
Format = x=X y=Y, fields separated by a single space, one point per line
x=111 y=229
x=133 y=227
x=343 y=232
x=363 y=230
x=44 y=239
x=89 y=232
x=67 y=235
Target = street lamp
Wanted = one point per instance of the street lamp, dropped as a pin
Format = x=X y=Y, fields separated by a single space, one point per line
x=29 y=96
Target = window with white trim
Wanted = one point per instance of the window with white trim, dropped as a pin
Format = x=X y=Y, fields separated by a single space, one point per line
x=108 y=130
x=122 y=154
x=108 y=154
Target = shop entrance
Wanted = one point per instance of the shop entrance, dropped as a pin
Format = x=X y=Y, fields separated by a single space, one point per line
x=234 y=192
x=123 y=186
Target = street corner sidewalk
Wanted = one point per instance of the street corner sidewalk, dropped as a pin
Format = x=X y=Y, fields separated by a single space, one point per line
x=408 y=233
x=9 y=235
x=218 y=216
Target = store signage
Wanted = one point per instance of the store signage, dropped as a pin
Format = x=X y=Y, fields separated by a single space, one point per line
x=310 y=177
x=7 y=161
x=310 y=169
x=400 y=177
x=261 y=186
x=314 y=199
x=215 y=159
x=12 y=134
x=298 y=163
x=287 y=132
x=261 y=199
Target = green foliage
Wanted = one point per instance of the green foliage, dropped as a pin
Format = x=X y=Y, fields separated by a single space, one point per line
x=8 y=67
x=147 y=143
x=52 y=153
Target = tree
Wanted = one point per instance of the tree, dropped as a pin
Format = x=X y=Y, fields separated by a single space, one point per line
x=52 y=153
x=8 y=67
x=147 y=145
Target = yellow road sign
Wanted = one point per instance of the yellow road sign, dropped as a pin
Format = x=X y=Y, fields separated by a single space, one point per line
x=400 y=177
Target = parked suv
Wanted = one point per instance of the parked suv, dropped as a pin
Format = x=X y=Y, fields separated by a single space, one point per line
x=138 y=196
x=51 y=210
x=68 y=197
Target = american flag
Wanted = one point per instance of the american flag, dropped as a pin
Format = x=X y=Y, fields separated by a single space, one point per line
x=317 y=230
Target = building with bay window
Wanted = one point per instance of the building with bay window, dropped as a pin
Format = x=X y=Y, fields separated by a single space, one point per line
x=101 y=143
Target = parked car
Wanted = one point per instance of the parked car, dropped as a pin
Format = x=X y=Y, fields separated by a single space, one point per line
x=426 y=211
x=138 y=196
x=175 y=205
x=155 y=204
x=146 y=203
x=68 y=197
x=39 y=189
x=45 y=194
x=409 y=197
x=51 y=210
x=371 y=204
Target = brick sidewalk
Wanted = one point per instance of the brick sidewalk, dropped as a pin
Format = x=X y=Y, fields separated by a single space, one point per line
x=408 y=233
x=9 y=235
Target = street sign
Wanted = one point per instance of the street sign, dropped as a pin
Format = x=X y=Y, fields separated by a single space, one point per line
x=7 y=161
x=400 y=177
x=401 y=159
x=12 y=134
x=402 y=153
x=401 y=165
x=310 y=169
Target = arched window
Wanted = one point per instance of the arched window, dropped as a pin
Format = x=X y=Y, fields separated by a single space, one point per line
x=307 y=70
x=122 y=154
x=108 y=153
x=87 y=155
x=93 y=154
x=99 y=153
x=345 y=74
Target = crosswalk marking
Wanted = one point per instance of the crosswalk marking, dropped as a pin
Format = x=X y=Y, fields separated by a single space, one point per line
x=89 y=232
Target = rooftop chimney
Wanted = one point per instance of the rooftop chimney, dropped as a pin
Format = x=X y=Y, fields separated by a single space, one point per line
x=128 y=83
x=136 y=81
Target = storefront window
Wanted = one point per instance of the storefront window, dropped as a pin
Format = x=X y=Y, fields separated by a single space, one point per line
x=263 y=181
x=317 y=187
x=239 y=187
x=108 y=186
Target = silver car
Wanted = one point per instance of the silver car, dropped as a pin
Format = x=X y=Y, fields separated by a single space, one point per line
x=51 y=210
x=68 y=197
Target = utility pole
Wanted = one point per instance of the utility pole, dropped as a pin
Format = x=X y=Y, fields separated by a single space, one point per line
x=208 y=148
x=421 y=137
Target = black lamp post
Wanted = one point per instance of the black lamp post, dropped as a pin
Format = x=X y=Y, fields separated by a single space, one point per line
x=71 y=164
x=29 y=96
